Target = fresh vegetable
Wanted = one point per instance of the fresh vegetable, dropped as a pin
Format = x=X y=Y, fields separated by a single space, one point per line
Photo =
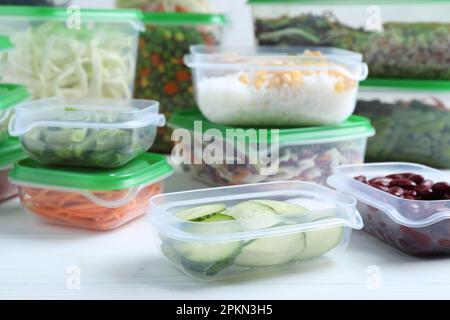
x=100 y=148
x=161 y=74
x=209 y=258
x=54 y=61
x=166 y=5
x=75 y=209
x=401 y=50
x=409 y=130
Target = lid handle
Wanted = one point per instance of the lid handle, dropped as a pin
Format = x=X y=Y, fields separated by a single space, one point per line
x=364 y=71
x=127 y=197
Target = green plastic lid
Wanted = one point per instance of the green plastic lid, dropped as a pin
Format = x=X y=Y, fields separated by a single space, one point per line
x=143 y=170
x=11 y=94
x=181 y=18
x=346 y=2
x=10 y=152
x=355 y=126
x=435 y=85
x=62 y=13
x=5 y=43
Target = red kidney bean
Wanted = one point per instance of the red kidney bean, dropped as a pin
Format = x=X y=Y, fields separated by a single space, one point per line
x=380 y=181
x=382 y=188
x=403 y=183
x=427 y=183
x=400 y=175
x=362 y=179
x=396 y=191
x=440 y=188
x=421 y=239
x=417 y=178
x=425 y=192
x=447 y=196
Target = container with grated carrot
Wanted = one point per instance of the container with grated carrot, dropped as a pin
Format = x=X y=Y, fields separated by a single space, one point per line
x=100 y=199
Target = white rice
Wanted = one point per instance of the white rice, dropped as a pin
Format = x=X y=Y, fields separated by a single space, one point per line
x=315 y=101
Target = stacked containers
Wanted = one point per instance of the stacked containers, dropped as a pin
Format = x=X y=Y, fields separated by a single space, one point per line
x=309 y=93
x=161 y=74
x=110 y=177
x=72 y=54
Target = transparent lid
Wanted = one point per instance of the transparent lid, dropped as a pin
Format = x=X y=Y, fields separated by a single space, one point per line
x=263 y=58
x=85 y=113
x=341 y=211
x=411 y=213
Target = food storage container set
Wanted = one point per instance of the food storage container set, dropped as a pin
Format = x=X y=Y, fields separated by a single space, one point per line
x=405 y=45
x=306 y=94
x=88 y=167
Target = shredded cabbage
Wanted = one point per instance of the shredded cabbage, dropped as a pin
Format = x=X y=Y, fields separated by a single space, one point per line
x=52 y=60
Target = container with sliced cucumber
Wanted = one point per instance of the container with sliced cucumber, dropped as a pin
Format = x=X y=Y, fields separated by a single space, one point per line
x=219 y=233
x=97 y=133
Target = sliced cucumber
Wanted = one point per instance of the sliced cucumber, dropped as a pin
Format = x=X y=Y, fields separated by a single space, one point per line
x=201 y=212
x=253 y=215
x=271 y=251
x=320 y=242
x=281 y=207
x=208 y=257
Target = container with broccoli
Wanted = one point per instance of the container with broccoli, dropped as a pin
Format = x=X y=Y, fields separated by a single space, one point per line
x=86 y=132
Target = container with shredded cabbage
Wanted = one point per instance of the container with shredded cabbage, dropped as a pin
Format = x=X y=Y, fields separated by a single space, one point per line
x=72 y=54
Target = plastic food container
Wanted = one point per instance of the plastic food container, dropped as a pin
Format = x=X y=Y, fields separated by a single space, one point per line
x=70 y=52
x=307 y=154
x=276 y=87
x=101 y=199
x=251 y=237
x=167 y=6
x=416 y=227
x=10 y=95
x=412 y=119
x=5 y=46
x=10 y=152
x=161 y=73
x=101 y=133
x=398 y=39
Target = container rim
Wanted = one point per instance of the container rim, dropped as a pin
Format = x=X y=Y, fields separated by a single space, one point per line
x=145 y=114
x=344 y=183
x=169 y=224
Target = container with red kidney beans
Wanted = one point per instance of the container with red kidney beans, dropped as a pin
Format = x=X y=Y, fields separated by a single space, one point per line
x=10 y=152
x=404 y=204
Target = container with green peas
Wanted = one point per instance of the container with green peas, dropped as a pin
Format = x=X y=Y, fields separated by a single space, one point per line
x=161 y=74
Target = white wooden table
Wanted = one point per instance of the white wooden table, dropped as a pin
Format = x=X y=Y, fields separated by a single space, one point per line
x=43 y=261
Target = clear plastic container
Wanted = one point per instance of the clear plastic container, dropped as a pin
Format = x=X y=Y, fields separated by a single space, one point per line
x=398 y=38
x=416 y=227
x=10 y=96
x=72 y=52
x=276 y=86
x=90 y=198
x=5 y=46
x=255 y=241
x=412 y=119
x=10 y=152
x=161 y=73
x=102 y=133
x=307 y=154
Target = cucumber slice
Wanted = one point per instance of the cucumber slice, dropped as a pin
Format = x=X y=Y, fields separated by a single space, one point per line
x=281 y=207
x=258 y=215
x=201 y=212
x=205 y=257
x=271 y=251
x=320 y=242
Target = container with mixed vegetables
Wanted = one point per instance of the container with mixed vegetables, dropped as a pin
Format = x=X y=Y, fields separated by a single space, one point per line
x=100 y=133
x=60 y=53
x=220 y=233
x=161 y=74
